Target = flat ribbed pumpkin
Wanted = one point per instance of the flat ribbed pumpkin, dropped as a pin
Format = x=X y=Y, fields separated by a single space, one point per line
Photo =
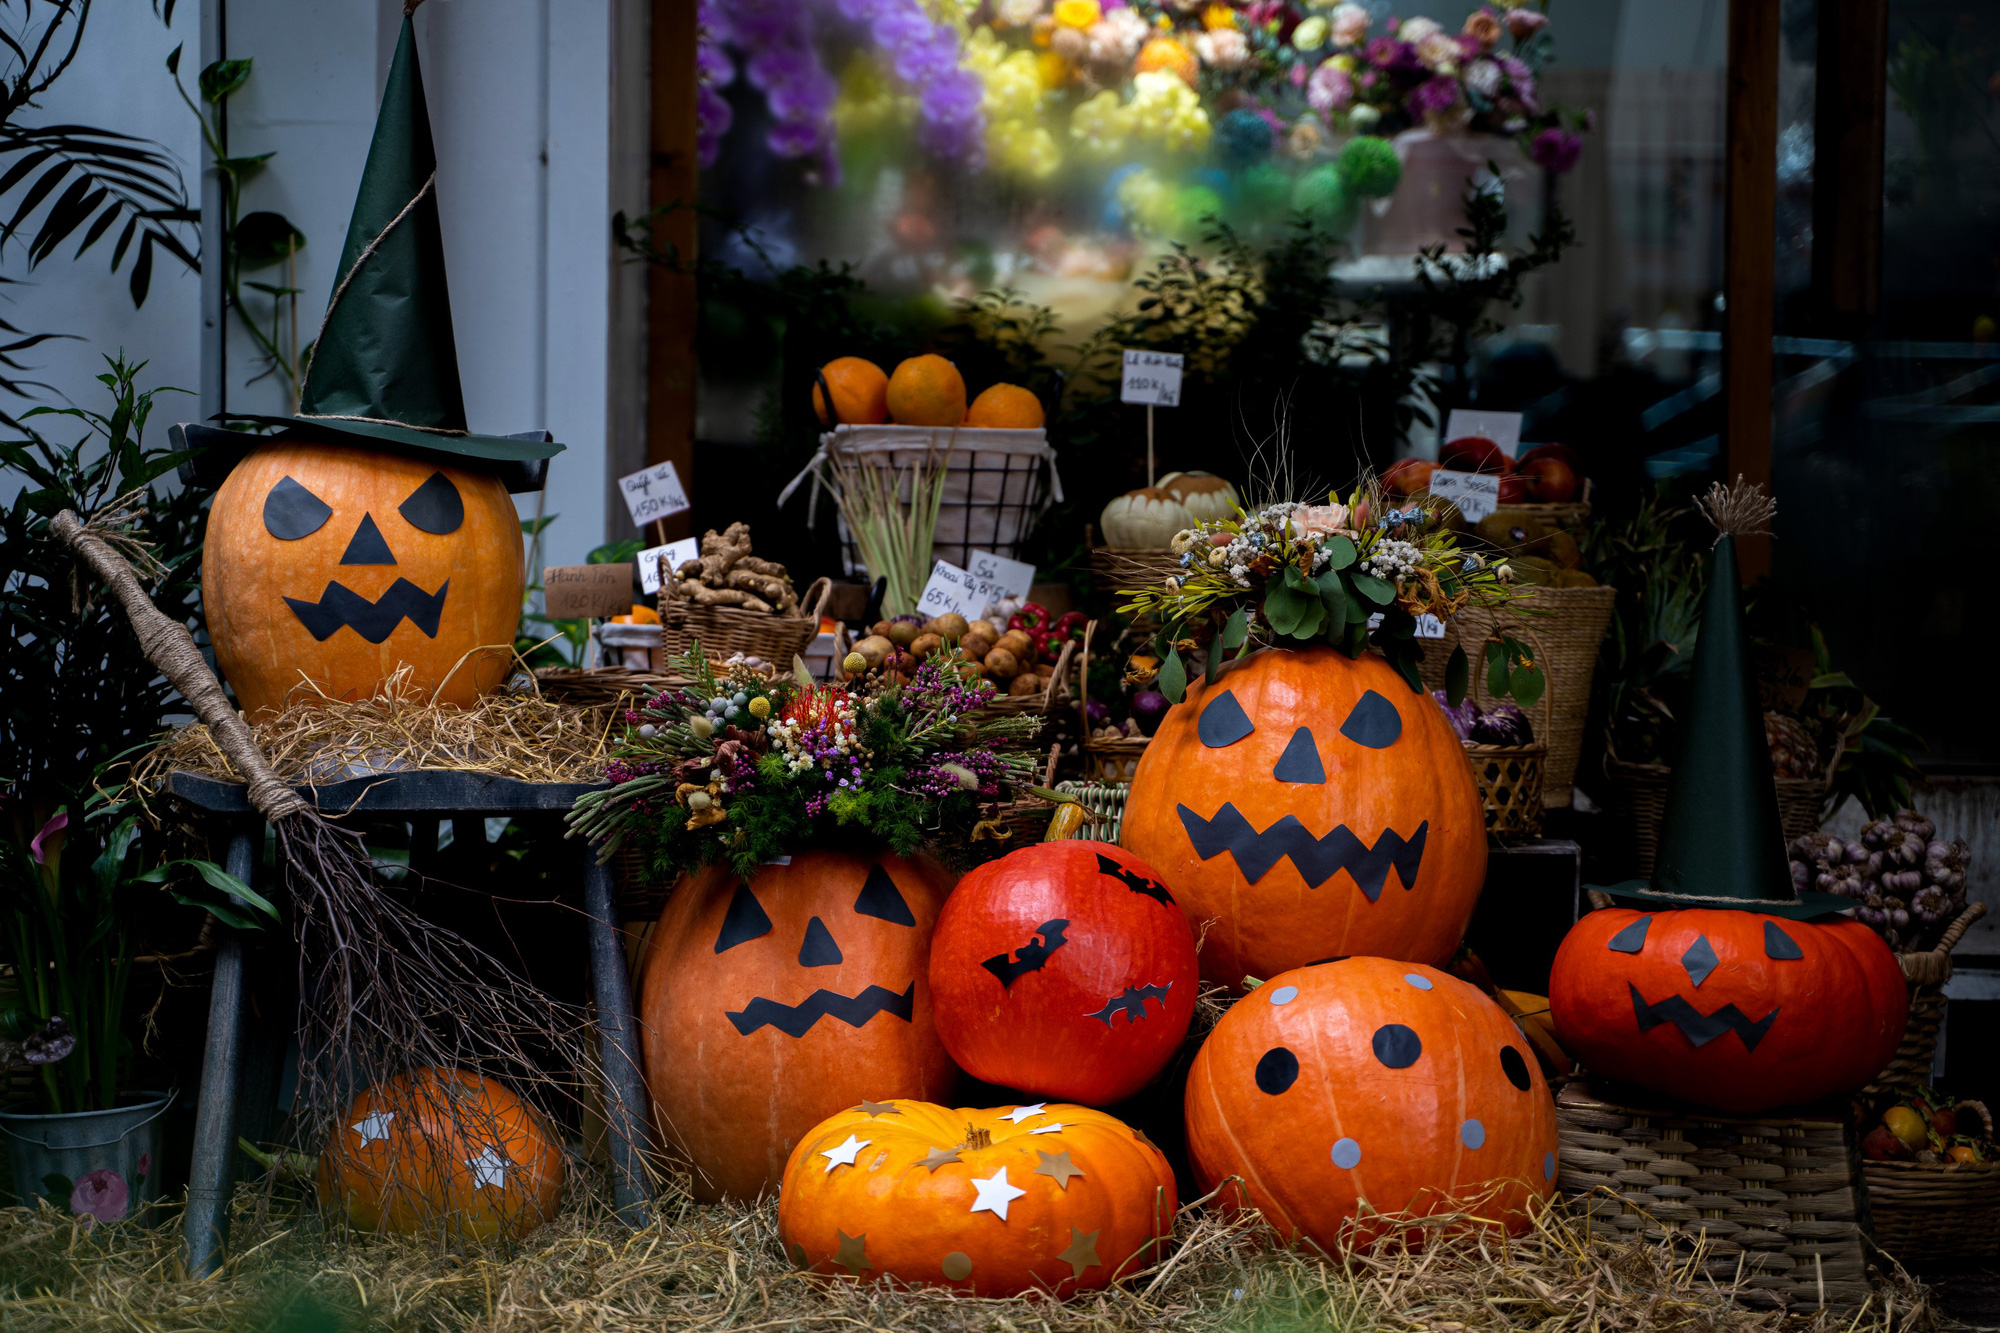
x=990 y=1202
x=770 y=1004
x=1728 y=1008
x=337 y=565
x=1312 y=806
x=1369 y=1083
x=443 y=1148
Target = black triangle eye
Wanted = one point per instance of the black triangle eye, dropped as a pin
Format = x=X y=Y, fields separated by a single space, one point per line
x=880 y=898
x=436 y=506
x=1374 y=722
x=291 y=511
x=745 y=920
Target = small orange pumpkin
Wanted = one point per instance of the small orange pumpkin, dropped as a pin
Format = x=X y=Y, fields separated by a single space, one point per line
x=443 y=1147
x=771 y=1004
x=1313 y=806
x=336 y=565
x=990 y=1202
x=1369 y=1082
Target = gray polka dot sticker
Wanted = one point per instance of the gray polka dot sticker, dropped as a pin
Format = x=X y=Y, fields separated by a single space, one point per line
x=1347 y=1154
x=957 y=1266
x=1548 y=1166
x=1284 y=995
x=1472 y=1134
x=1420 y=982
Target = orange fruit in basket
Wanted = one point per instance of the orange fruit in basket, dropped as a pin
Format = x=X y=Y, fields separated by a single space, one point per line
x=1007 y=407
x=1167 y=54
x=927 y=391
x=860 y=393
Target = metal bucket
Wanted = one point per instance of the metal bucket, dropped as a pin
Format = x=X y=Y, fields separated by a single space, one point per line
x=104 y=1163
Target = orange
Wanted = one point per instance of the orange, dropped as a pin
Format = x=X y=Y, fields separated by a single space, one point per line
x=1167 y=54
x=860 y=392
x=1008 y=406
x=927 y=391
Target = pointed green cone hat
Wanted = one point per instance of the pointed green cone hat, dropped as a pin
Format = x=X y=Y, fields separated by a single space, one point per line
x=384 y=369
x=1721 y=843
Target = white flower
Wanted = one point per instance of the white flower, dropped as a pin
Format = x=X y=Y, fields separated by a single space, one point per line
x=1015 y=13
x=1350 y=25
x=1483 y=77
x=1414 y=31
x=1438 y=50
x=1222 y=48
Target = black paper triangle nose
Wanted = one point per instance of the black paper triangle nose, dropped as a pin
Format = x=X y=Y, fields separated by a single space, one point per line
x=819 y=949
x=367 y=546
x=1300 y=761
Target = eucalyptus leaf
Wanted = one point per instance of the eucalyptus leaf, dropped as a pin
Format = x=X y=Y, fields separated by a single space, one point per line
x=1496 y=675
x=1296 y=581
x=1528 y=684
x=1457 y=676
x=1282 y=608
x=1172 y=679
x=1379 y=591
x=1236 y=629
x=1333 y=596
x=1341 y=552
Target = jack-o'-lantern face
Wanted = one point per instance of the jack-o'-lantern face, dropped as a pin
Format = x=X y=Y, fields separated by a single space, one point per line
x=769 y=1004
x=338 y=565
x=1314 y=807
x=1728 y=1008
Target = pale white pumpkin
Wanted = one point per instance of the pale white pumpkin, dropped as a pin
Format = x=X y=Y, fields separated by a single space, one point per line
x=1203 y=494
x=1144 y=520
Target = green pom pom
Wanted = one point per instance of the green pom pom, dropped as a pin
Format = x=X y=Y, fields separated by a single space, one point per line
x=1323 y=197
x=1370 y=167
x=1195 y=203
x=1264 y=193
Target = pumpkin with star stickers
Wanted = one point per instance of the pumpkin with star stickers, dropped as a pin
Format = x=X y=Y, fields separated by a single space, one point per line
x=1312 y=806
x=329 y=567
x=986 y=1202
x=443 y=1148
x=768 y=1005
x=1726 y=1007
x=1064 y=970
x=1340 y=1093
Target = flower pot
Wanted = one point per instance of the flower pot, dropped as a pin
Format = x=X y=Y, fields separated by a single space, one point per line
x=1428 y=206
x=103 y=1163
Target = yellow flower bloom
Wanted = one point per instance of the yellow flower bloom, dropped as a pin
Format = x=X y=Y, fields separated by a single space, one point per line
x=1218 y=15
x=1310 y=35
x=1053 y=70
x=1077 y=13
x=1346 y=64
x=1100 y=126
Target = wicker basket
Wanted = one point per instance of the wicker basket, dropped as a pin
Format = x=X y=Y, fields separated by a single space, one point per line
x=1568 y=514
x=1775 y=1200
x=1105 y=759
x=1047 y=701
x=1638 y=802
x=1926 y=972
x=1510 y=781
x=727 y=630
x=1568 y=625
x=1933 y=1213
x=1116 y=570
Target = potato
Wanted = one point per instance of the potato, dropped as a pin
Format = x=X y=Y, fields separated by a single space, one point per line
x=1000 y=664
x=972 y=670
x=950 y=625
x=1024 y=684
x=986 y=627
x=902 y=633
x=880 y=628
x=1017 y=643
x=925 y=645
x=876 y=648
x=977 y=645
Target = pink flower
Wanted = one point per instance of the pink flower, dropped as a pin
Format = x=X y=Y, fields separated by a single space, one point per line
x=1415 y=30
x=1350 y=24
x=1321 y=520
x=1438 y=51
x=49 y=839
x=100 y=1195
x=1483 y=28
x=1329 y=89
x=1222 y=48
x=144 y=1166
x=1525 y=23
x=1433 y=96
x=1556 y=150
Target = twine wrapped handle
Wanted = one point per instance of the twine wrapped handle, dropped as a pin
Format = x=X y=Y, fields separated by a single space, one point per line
x=168 y=645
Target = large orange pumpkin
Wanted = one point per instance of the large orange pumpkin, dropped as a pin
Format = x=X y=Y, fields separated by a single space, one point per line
x=336 y=565
x=443 y=1147
x=1374 y=1085
x=991 y=1202
x=1312 y=806
x=1728 y=1008
x=771 y=1004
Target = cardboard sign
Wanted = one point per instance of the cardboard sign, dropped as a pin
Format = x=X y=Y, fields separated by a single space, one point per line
x=653 y=494
x=572 y=592
x=954 y=589
x=1152 y=377
x=1011 y=577
x=1503 y=428
x=676 y=554
x=1475 y=493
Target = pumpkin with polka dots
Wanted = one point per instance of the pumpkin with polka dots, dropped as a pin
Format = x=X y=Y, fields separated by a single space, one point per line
x=1364 y=1088
x=443 y=1148
x=1310 y=806
x=1729 y=1008
x=987 y=1202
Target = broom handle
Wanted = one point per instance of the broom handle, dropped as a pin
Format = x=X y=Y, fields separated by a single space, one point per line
x=169 y=646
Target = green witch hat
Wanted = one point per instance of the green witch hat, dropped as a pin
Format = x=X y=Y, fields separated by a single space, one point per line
x=1721 y=844
x=384 y=369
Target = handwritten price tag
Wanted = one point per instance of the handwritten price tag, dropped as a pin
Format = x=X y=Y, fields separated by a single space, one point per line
x=1012 y=578
x=1429 y=626
x=1152 y=377
x=571 y=592
x=653 y=494
x=1503 y=428
x=673 y=555
x=1475 y=493
x=954 y=589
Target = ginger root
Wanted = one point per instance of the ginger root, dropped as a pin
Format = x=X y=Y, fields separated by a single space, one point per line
x=727 y=574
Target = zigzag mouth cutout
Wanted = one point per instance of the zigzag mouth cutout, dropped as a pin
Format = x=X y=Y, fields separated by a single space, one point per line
x=342 y=607
x=795 y=1020
x=1697 y=1027
x=1317 y=859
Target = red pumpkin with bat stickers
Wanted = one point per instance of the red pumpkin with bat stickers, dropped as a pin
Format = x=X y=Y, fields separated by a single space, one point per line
x=1065 y=970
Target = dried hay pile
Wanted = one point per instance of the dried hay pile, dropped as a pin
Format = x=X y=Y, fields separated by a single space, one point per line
x=720 y=1267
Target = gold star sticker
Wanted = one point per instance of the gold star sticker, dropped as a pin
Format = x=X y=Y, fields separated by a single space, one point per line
x=1082 y=1251
x=852 y=1254
x=938 y=1157
x=1057 y=1166
x=878 y=1108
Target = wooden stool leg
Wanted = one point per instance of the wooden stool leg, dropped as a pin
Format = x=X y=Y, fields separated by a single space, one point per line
x=205 y=1228
x=625 y=1098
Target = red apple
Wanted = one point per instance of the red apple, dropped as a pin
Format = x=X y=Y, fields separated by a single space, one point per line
x=1513 y=489
x=1549 y=479
x=1562 y=451
x=1474 y=453
x=1408 y=476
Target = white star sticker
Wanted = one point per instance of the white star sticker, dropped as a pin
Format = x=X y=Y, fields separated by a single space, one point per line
x=845 y=1154
x=373 y=1126
x=1047 y=1129
x=1020 y=1113
x=995 y=1194
x=489 y=1168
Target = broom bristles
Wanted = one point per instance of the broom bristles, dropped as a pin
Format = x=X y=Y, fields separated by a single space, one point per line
x=1739 y=510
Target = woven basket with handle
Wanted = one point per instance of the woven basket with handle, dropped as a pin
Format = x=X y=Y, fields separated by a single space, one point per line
x=1041 y=701
x=1638 y=802
x=1931 y=1213
x=1105 y=759
x=727 y=630
x=1926 y=972
x=1510 y=782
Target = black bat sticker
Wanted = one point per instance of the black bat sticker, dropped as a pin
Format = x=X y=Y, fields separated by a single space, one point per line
x=1132 y=1003
x=1030 y=956
x=1136 y=883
